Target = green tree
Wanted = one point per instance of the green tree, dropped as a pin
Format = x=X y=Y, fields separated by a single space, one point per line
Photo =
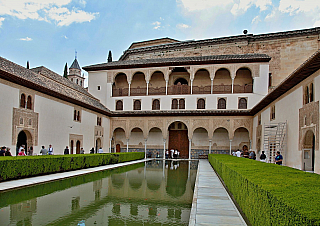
x=65 y=73
x=28 y=66
x=110 y=56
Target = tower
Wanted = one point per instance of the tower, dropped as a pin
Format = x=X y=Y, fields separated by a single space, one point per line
x=75 y=73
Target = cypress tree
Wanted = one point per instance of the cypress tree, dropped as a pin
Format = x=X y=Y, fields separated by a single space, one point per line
x=65 y=73
x=110 y=56
x=28 y=67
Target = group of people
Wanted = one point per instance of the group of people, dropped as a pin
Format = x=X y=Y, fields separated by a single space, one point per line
x=252 y=155
x=5 y=151
x=174 y=154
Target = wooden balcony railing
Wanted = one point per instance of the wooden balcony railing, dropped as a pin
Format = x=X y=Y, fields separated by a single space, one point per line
x=201 y=89
x=243 y=89
x=178 y=89
x=182 y=89
x=119 y=92
x=157 y=91
x=138 y=91
x=218 y=89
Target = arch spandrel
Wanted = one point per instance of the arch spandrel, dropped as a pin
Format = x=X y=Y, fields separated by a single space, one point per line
x=217 y=67
x=244 y=123
x=222 y=123
x=116 y=73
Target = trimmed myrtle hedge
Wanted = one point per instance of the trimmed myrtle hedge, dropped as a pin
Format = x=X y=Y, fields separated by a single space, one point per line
x=270 y=194
x=27 y=166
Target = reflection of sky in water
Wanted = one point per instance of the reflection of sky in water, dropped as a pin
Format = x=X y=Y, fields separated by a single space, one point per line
x=157 y=192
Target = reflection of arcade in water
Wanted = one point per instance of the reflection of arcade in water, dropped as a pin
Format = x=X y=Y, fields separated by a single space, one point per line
x=160 y=192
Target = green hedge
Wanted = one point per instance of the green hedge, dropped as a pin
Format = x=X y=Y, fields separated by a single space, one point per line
x=28 y=166
x=269 y=194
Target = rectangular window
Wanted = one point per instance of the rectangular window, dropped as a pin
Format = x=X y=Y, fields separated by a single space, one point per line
x=98 y=87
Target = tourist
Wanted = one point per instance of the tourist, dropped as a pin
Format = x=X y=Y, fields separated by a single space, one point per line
x=278 y=158
x=175 y=154
x=66 y=151
x=149 y=154
x=8 y=153
x=21 y=153
x=263 y=157
x=43 y=151
x=50 y=150
x=3 y=151
x=81 y=151
x=252 y=155
x=100 y=150
x=167 y=154
x=238 y=153
x=157 y=156
x=21 y=147
x=171 y=153
x=92 y=150
x=234 y=153
x=30 y=151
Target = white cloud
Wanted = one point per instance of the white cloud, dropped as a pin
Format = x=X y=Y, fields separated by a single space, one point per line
x=183 y=26
x=1 y=20
x=64 y=36
x=191 y=5
x=26 y=39
x=271 y=15
x=243 y=5
x=236 y=7
x=45 y=10
x=256 y=20
x=157 y=25
x=297 y=6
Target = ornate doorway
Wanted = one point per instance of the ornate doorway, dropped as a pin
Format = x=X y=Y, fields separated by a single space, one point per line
x=178 y=139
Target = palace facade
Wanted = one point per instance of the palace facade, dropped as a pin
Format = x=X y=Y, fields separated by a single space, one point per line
x=255 y=92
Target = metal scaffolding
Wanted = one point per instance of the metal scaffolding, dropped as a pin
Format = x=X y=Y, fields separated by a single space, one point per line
x=274 y=139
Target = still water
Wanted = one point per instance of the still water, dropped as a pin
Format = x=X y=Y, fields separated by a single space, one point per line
x=151 y=193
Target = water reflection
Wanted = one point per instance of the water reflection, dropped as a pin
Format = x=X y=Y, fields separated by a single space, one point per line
x=158 y=192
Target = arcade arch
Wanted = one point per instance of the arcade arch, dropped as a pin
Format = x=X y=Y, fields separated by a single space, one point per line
x=201 y=82
x=243 y=82
x=241 y=139
x=138 y=85
x=120 y=86
x=308 y=158
x=178 y=138
x=220 y=139
x=157 y=84
x=222 y=82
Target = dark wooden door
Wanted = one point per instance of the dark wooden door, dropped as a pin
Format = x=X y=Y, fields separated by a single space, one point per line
x=118 y=148
x=178 y=139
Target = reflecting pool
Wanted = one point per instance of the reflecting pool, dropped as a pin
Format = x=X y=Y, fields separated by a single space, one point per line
x=151 y=193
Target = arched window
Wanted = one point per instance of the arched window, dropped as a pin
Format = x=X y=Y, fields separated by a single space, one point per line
x=311 y=92
x=119 y=105
x=174 y=104
x=156 y=104
x=137 y=105
x=201 y=104
x=23 y=101
x=181 y=104
x=77 y=81
x=242 y=103
x=75 y=115
x=29 y=103
x=80 y=82
x=222 y=104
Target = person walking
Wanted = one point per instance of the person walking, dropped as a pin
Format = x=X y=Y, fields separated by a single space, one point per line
x=263 y=157
x=43 y=151
x=50 y=150
x=278 y=159
x=66 y=151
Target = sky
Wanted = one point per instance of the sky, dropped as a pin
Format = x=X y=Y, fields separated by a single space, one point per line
x=49 y=32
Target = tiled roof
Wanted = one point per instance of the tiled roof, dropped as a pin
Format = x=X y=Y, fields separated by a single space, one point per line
x=49 y=84
x=214 y=59
x=58 y=78
x=75 y=64
x=215 y=41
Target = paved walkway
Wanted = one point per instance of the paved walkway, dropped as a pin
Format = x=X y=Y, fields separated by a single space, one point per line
x=211 y=202
x=58 y=176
